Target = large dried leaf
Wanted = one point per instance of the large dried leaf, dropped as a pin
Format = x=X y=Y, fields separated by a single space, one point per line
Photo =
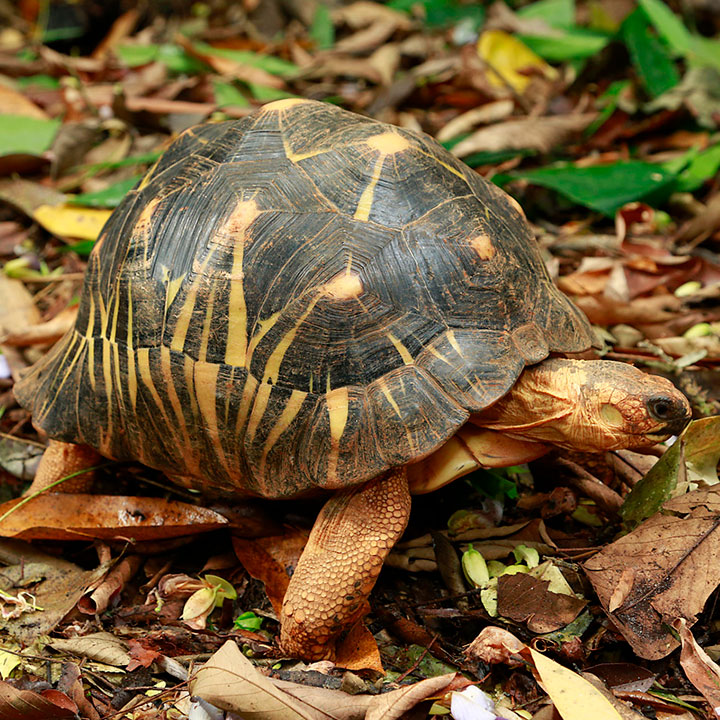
x=662 y=571
x=28 y=705
x=102 y=647
x=69 y=516
x=540 y=134
x=231 y=682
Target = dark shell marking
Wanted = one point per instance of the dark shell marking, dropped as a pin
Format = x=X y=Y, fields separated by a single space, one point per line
x=301 y=298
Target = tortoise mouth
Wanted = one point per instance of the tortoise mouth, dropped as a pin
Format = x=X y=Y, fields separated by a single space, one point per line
x=674 y=427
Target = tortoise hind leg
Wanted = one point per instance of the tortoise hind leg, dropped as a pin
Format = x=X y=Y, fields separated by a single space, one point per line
x=61 y=459
x=352 y=535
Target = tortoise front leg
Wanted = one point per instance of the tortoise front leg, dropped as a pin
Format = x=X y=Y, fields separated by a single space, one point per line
x=61 y=459
x=348 y=544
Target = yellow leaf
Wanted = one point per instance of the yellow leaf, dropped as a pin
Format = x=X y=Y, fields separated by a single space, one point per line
x=573 y=696
x=507 y=55
x=8 y=662
x=72 y=221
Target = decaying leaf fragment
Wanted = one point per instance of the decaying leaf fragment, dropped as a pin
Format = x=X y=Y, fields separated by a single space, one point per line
x=702 y=672
x=230 y=681
x=661 y=572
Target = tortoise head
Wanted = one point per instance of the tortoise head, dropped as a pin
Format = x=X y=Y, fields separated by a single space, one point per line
x=633 y=408
x=590 y=405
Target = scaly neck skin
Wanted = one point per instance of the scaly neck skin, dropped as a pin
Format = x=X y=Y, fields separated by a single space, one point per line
x=539 y=407
x=588 y=405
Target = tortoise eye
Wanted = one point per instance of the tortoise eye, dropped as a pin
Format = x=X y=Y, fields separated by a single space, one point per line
x=661 y=408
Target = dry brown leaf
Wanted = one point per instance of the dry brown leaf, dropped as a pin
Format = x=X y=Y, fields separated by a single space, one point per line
x=340 y=65
x=701 y=671
x=679 y=346
x=15 y=103
x=702 y=225
x=38 y=334
x=526 y=599
x=231 y=682
x=386 y=60
x=102 y=647
x=394 y=705
x=368 y=38
x=17 y=307
x=120 y=29
x=57 y=586
x=28 y=705
x=97 y=602
x=496 y=645
x=668 y=567
x=358 y=650
x=232 y=68
x=492 y=112
x=363 y=13
x=267 y=559
x=69 y=62
x=641 y=311
x=540 y=134
x=342 y=705
x=69 y=516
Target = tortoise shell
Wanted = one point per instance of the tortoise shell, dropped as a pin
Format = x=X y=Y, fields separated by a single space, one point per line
x=302 y=298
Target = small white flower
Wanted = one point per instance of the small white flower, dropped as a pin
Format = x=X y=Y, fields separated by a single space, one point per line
x=472 y=704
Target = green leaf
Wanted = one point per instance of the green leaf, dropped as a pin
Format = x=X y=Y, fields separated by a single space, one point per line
x=144 y=159
x=573 y=44
x=442 y=13
x=668 y=25
x=704 y=51
x=608 y=101
x=267 y=94
x=46 y=82
x=269 y=63
x=556 y=13
x=322 y=30
x=226 y=94
x=493 y=484
x=605 y=188
x=172 y=56
x=82 y=248
x=649 y=56
x=20 y=134
x=704 y=166
x=110 y=197
x=248 y=621
x=693 y=457
x=493 y=157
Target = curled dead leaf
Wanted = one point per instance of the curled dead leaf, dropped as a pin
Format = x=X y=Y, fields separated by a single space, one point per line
x=540 y=134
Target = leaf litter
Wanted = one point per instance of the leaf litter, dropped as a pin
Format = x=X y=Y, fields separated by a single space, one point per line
x=602 y=120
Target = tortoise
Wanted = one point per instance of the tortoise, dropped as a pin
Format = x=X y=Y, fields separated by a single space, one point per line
x=310 y=300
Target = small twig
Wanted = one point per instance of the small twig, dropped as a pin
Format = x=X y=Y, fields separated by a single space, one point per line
x=606 y=498
x=416 y=664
